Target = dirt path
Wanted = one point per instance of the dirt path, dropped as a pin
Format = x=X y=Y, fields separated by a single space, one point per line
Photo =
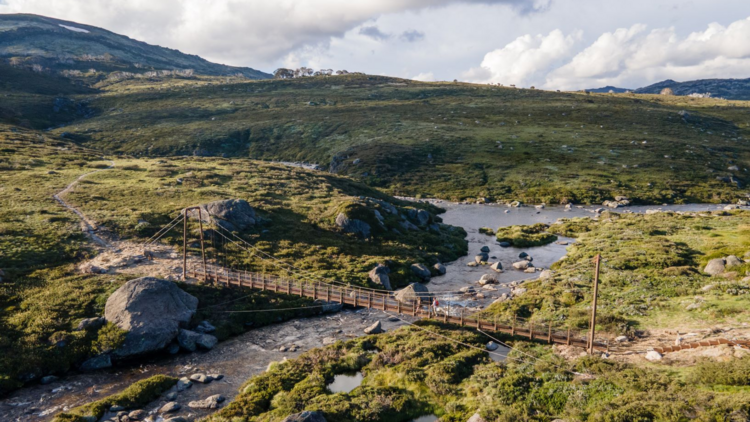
x=238 y=359
x=87 y=225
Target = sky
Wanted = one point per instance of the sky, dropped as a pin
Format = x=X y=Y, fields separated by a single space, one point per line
x=549 y=44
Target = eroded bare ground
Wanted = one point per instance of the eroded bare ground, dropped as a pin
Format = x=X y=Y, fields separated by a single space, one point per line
x=237 y=359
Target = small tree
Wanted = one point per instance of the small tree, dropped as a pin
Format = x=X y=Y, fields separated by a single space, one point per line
x=282 y=73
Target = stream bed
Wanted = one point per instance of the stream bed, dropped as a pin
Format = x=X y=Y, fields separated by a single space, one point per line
x=249 y=354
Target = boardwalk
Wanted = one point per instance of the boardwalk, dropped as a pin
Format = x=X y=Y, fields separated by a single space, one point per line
x=384 y=301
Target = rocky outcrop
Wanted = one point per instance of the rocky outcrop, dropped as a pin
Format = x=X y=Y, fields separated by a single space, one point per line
x=230 y=214
x=379 y=276
x=412 y=293
x=151 y=310
x=421 y=271
x=352 y=225
x=306 y=416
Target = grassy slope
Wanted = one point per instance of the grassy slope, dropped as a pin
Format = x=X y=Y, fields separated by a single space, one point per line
x=42 y=297
x=442 y=139
x=651 y=272
x=410 y=372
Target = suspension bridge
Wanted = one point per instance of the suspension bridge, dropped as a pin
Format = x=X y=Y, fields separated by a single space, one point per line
x=217 y=255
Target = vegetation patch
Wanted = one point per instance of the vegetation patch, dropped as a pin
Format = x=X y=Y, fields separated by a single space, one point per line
x=525 y=236
x=134 y=397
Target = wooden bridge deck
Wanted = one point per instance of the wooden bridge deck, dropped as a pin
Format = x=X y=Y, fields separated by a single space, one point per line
x=384 y=301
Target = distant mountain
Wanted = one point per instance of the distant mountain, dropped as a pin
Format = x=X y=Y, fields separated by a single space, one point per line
x=731 y=89
x=74 y=50
x=607 y=89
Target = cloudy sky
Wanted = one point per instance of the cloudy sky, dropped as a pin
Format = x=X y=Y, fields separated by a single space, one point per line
x=553 y=44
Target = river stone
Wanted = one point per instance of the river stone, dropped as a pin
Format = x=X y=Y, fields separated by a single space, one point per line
x=374 y=328
x=497 y=267
x=137 y=415
x=492 y=346
x=523 y=255
x=98 y=362
x=476 y=418
x=421 y=271
x=183 y=384
x=546 y=274
x=715 y=266
x=306 y=416
x=504 y=244
x=522 y=265
x=440 y=268
x=379 y=276
x=206 y=341
x=732 y=261
x=176 y=419
x=170 y=407
x=49 y=379
x=201 y=378
x=485 y=249
x=230 y=214
x=205 y=327
x=90 y=324
x=412 y=293
x=188 y=340
x=210 y=402
x=152 y=311
x=352 y=225
x=481 y=257
x=487 y=279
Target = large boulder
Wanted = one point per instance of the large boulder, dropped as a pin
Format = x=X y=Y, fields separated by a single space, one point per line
x=421 y=271
x=379 y=275
x=412 y=293
x=352 y=225
x=715 y=266
x=306 y=416
x=151 y=310
x=487 y=279
x=732 y=261
x=231 y=214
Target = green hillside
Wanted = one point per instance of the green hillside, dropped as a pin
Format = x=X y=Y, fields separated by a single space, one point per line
x=76 y=49
x=450 y=140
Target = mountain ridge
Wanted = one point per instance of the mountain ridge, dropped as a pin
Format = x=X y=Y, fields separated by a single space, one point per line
x=73 y=49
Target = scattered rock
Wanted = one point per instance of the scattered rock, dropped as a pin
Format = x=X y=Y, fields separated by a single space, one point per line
x=476 y=418
x=379 y=275
x=546 y=274
x=653 y=356
x=481 y=257
x=90 y=324
x=522 y=265
x=487 y=279
x=206 y=341
x=374 y=328
x=504 y=244
x=230 y=214
x=170 y=407
x=468 y=290
x=485 y=249
x=523 y=255
x=205 y=327
x=421 y=271
x=497 y=267
x=183 y=384
x=201 y=378
x=171 y=396
x=621 y=339
x=176 y=419
x=732 y=261
x=137 y=415
x=492 y=346
x=211 y=402
x=413 y=292
x=151 y=310
x=715 y=266
x=306 y=416
x=440 y=268
x=530 y=270
x=95 y=363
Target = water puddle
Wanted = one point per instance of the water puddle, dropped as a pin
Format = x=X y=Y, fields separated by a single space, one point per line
x=344 y=383
x=426 y=418
x=500 y=354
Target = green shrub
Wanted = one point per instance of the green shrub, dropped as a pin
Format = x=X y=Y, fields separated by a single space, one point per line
x=525 y=236
x=734 y=372
x=109 y=338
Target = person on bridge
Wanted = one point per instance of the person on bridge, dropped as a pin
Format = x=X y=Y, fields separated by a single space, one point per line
x=435 y=305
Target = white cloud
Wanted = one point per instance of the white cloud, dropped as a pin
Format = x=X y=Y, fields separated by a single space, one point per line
x=627 y=57
x=244 y=32
x=525 y=60
x=424 y=77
